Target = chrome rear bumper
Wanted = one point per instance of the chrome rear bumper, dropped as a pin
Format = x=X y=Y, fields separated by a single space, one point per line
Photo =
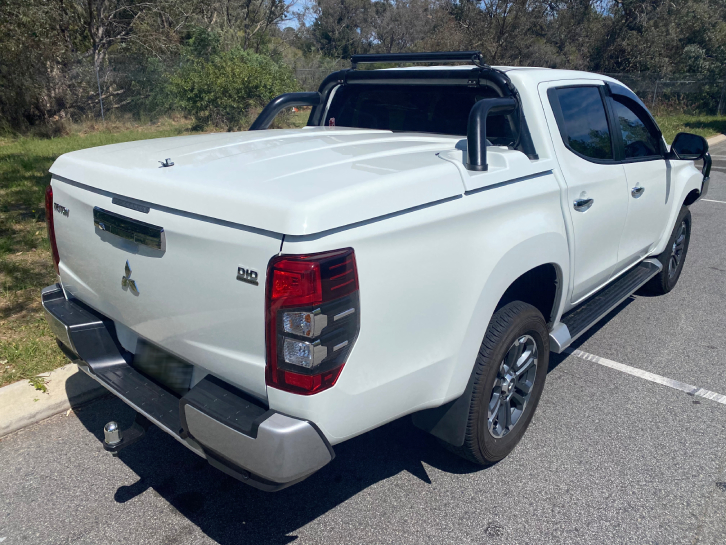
x=234 y=432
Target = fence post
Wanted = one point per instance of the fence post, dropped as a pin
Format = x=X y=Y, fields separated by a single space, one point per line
x=98 y=81
x=655 y=94
x=721 y=100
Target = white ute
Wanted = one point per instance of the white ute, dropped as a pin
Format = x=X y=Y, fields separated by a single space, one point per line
x=419 y=248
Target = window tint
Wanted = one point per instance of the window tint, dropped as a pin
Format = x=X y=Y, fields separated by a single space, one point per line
x=414 y=108
x=638 y=140
x=586 y=124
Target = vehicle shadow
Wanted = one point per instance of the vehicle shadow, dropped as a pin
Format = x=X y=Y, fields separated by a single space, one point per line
x=231 y=512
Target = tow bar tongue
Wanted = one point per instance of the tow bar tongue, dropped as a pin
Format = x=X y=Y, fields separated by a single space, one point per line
x=114 y=439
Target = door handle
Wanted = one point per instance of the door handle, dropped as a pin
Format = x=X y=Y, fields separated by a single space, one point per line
x=582 y=204
x=637 y=191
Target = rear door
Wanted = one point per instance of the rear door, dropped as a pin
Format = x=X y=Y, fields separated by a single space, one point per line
x=648 y=176
x=582 y=137
x=189 y=288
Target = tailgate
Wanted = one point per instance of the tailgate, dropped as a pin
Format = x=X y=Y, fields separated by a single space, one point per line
x=183 y=293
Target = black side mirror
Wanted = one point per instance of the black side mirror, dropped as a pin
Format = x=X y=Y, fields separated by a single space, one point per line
x=689 y=146
x=692 y=147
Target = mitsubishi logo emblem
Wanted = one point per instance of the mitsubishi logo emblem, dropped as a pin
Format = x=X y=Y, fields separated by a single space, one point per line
x=127 y=283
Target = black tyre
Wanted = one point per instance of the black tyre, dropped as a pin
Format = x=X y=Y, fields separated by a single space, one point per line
x=510 y=373
x=673 y=257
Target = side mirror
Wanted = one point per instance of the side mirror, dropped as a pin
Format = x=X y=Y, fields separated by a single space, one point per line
x=692 y=147
x=689 y=146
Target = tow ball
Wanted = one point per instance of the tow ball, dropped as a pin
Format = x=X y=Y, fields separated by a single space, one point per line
x=114 y=439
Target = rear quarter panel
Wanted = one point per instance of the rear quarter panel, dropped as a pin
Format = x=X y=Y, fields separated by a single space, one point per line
x=429 y=282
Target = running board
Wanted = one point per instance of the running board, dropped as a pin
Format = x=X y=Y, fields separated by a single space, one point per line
x=581 y=318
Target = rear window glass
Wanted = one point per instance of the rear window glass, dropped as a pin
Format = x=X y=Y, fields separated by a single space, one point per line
x=586 y=124
x=414 y=108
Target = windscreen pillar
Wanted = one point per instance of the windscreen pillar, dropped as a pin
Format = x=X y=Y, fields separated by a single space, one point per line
x=476 y=137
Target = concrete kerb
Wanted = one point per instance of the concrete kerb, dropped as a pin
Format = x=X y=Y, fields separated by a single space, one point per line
x=716 y=139
x=22 y=405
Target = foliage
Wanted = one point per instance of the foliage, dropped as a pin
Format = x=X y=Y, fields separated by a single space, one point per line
x=222 y=89
x=57 y=53
x=39 y=384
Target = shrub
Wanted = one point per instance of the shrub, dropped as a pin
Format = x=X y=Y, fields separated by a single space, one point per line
x=222 y=89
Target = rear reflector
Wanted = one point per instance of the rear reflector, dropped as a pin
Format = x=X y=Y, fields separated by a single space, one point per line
x=51 y=226
x=312 y=319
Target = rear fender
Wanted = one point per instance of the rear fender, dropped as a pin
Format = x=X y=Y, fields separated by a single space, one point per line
x=547 y=248
x=448 y=421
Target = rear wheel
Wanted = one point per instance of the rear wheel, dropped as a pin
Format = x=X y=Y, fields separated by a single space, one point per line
x=673 y=257
x=510 y=373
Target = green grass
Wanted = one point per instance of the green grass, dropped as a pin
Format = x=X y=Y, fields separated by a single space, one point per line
x=703 y=125
x=27 y=346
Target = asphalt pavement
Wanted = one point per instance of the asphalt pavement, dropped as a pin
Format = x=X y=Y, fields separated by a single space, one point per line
x=609 y=457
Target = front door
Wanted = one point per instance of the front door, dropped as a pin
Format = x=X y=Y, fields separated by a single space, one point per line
x=648 y=175
x=596 y=197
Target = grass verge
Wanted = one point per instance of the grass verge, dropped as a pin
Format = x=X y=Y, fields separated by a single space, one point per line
x=703 y=125
x=27 y=346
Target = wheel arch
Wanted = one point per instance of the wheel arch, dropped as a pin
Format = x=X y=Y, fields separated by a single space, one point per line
x=691 y=197
x=516 y=274
x=686 y=183
x=541 y=257
x=538 y=287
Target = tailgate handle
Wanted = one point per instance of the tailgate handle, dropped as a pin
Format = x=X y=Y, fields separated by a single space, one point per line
x=130 y=229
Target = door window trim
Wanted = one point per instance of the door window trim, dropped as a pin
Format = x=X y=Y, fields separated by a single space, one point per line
x=560 y=118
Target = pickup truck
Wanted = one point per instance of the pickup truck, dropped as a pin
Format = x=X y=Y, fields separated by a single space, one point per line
x=419 y=248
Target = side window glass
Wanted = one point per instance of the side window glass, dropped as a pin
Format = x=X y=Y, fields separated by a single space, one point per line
x=638 y=139
x=585 y=120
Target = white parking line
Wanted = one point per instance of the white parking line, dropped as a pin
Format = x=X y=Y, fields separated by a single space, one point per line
x=652 y=377
x=711 y=200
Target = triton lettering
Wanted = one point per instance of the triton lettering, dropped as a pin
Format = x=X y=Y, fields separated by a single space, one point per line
x=61 y=209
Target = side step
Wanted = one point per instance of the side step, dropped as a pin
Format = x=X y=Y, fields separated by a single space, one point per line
x=581 y=318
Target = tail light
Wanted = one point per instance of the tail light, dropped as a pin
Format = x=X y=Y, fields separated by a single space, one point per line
x=51 y=226
x=312 y=319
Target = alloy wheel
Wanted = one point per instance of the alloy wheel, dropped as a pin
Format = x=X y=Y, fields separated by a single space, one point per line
x=677 y=251
x=513 y=386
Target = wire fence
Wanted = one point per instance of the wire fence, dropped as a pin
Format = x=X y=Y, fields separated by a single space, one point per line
x=134 y=91
x=687 y=93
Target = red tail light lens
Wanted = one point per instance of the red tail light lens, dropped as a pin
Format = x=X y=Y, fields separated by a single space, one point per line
x=312 y=319
x=51 y=226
